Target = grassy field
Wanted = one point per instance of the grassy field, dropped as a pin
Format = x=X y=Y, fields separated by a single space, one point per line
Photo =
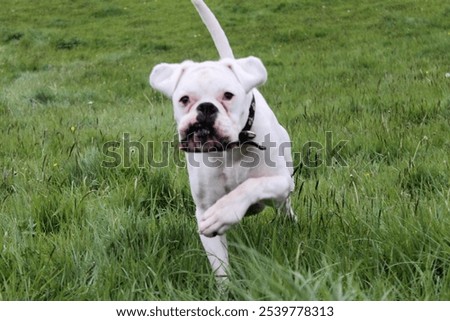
x=74 y=76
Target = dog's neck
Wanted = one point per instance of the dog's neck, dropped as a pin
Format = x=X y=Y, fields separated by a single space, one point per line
x=246 y=136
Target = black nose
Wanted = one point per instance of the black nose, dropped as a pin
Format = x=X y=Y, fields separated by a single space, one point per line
x=207 y=112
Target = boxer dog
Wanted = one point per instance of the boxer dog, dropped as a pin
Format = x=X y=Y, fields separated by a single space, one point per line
x=238 y=155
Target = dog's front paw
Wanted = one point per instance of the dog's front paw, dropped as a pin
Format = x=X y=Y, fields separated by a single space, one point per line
x=220 y=217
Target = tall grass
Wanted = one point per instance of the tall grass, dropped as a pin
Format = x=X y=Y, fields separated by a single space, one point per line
x=74 y=77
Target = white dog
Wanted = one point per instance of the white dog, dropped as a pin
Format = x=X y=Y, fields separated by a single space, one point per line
x=239 y=156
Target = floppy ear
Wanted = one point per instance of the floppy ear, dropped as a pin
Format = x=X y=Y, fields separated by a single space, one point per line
x=165 y=77
x=250 y=71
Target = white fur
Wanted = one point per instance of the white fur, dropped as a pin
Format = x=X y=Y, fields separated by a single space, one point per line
x=224 y=193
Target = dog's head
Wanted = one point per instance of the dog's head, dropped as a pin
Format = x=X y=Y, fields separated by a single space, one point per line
x=211 y=99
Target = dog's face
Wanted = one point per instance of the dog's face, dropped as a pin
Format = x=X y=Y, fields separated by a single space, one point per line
x=210 y=99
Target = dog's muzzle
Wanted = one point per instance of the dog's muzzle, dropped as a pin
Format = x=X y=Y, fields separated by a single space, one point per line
x=202 y=137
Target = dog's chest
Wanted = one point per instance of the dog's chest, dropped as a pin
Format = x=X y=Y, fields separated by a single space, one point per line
x=230 y=178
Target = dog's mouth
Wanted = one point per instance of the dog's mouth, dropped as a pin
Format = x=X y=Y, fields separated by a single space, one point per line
x=203 y=138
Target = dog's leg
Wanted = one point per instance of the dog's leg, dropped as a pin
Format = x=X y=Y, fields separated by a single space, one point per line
x=217 y=251
x=231 y=208
x=287 y=210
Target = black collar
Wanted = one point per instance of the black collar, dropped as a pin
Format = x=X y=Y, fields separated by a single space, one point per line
x=246 y=135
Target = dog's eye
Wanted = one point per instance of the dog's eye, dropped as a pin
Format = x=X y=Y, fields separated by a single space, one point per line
x=228 y=96
x=184 y=100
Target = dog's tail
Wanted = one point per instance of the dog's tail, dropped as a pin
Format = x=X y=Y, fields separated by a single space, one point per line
x=214 y=28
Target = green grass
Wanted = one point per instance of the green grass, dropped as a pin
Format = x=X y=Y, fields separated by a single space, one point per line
x=74 y=75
